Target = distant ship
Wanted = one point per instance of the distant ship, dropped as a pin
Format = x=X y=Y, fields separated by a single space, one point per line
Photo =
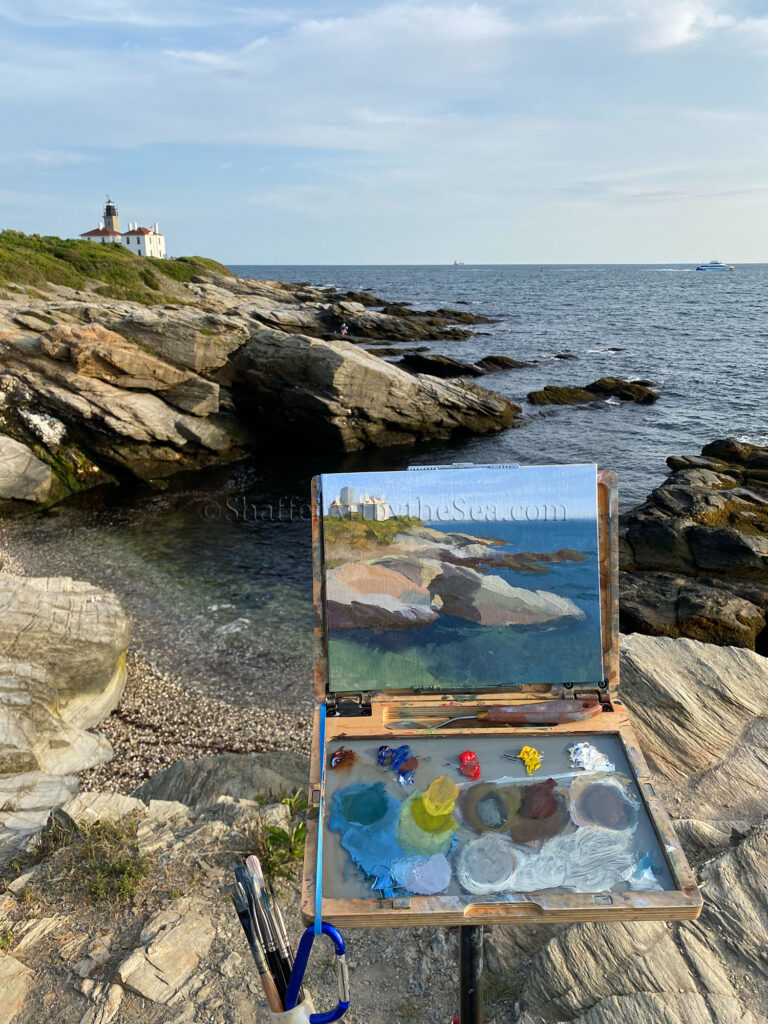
x=713 y=265
x=458 y=263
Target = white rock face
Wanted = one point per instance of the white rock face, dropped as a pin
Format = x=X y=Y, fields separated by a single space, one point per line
x=701 y=715
x=26 y=800
x=50 y=430
x=22 y=475
x=175 y=940
x=15 y=979
x=62 y=670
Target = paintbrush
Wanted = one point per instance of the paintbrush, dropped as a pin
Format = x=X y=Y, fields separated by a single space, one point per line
x=240 y=901
x=268 y=930
x=270 y=912
x=545 y=712
x=284 y=943
x=261 y=927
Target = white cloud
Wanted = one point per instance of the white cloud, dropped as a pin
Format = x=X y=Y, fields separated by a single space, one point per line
x=44 y=157
x=427 y=23
x=146 y=14
x=647 y=24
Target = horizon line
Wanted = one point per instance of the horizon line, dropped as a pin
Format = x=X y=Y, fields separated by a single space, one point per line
x=537 y=263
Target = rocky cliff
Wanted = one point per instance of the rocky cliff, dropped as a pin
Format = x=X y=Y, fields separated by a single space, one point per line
x=93 y=388
x=694 y=555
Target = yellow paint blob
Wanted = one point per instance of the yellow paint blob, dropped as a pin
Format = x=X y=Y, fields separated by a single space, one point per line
x=426 y=822
x=531 y=758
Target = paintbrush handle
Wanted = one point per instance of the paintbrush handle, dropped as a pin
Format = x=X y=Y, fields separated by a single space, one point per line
x=545 y=712
x=274 y=1001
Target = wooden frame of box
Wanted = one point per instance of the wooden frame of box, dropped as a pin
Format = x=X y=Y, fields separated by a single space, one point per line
x=344 y=721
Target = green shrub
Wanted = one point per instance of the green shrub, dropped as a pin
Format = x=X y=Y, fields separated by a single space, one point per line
x=34 y=261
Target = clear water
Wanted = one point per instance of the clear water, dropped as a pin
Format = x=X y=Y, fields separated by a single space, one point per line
x=221 y=595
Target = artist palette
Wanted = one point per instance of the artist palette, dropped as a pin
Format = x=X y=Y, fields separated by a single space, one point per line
x=477 y=821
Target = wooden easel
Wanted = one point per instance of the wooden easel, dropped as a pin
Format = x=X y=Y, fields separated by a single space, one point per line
x=350 y=719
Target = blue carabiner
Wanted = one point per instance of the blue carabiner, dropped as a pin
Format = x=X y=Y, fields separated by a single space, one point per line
x=300 y=966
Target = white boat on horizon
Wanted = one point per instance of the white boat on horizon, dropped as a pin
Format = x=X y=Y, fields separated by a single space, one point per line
x=458 y=263
x=713 y=265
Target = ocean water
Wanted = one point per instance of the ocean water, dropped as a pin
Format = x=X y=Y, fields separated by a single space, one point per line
x=216 y=570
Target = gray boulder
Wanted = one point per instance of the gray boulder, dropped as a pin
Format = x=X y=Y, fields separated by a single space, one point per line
x=26 y=800
x=95 y=351
x=201 y=782
x=23 y=476
x=694 y=555
x=333 y=395
x=62 y=671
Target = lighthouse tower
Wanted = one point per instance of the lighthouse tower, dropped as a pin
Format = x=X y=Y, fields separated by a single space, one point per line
x=111 y=216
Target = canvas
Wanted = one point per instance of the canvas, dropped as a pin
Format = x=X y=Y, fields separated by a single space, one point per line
x=461 y=578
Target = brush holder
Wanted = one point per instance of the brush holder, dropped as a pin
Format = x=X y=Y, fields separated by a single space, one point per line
x=298 y=1015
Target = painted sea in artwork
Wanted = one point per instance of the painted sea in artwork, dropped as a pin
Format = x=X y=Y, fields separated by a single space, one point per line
x=461 y=579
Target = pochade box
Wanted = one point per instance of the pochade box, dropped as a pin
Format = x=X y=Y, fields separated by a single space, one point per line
x=472 y=760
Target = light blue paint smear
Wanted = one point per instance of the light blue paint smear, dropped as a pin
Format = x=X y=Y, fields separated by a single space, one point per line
x=366 y=815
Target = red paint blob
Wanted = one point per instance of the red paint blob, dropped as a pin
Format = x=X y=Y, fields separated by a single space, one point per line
x=410 y=764
x=468 y=757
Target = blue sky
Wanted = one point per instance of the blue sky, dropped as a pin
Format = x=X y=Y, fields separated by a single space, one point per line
x=405 y=132
x=525 y=493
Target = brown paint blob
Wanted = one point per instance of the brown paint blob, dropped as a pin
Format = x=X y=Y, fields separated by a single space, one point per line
x=604 y=805
x=538 y=801
x=489 y=807
x=342 y=758
x=543 y=813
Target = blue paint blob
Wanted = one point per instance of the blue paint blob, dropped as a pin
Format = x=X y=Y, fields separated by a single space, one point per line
x=365 y=815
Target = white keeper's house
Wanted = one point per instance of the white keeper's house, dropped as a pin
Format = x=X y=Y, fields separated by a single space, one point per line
x=142 y=241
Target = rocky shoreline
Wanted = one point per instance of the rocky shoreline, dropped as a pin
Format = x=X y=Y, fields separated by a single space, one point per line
x=159 y=722
x=94 y=390
x=694 y=555
x=96 y=387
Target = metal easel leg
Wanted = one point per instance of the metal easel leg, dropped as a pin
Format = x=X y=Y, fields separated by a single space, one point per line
x=471 y=974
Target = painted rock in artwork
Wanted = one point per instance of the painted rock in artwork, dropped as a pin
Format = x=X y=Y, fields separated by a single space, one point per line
x=364 y=596
x=491 y=601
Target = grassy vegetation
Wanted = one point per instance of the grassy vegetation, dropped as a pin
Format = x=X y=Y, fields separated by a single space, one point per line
x=97 y=862
x=357 y=532
x=33 y=261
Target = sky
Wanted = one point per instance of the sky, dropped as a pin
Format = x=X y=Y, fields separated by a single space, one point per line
x=477 y=494
x=421 y=131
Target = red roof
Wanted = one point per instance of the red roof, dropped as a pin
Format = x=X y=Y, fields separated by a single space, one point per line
x=139 y=231
x=99 y=232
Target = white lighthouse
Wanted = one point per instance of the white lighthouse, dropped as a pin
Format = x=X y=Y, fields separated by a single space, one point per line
x=140 y=240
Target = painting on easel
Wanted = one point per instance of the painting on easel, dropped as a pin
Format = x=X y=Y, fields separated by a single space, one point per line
x=462 y=578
